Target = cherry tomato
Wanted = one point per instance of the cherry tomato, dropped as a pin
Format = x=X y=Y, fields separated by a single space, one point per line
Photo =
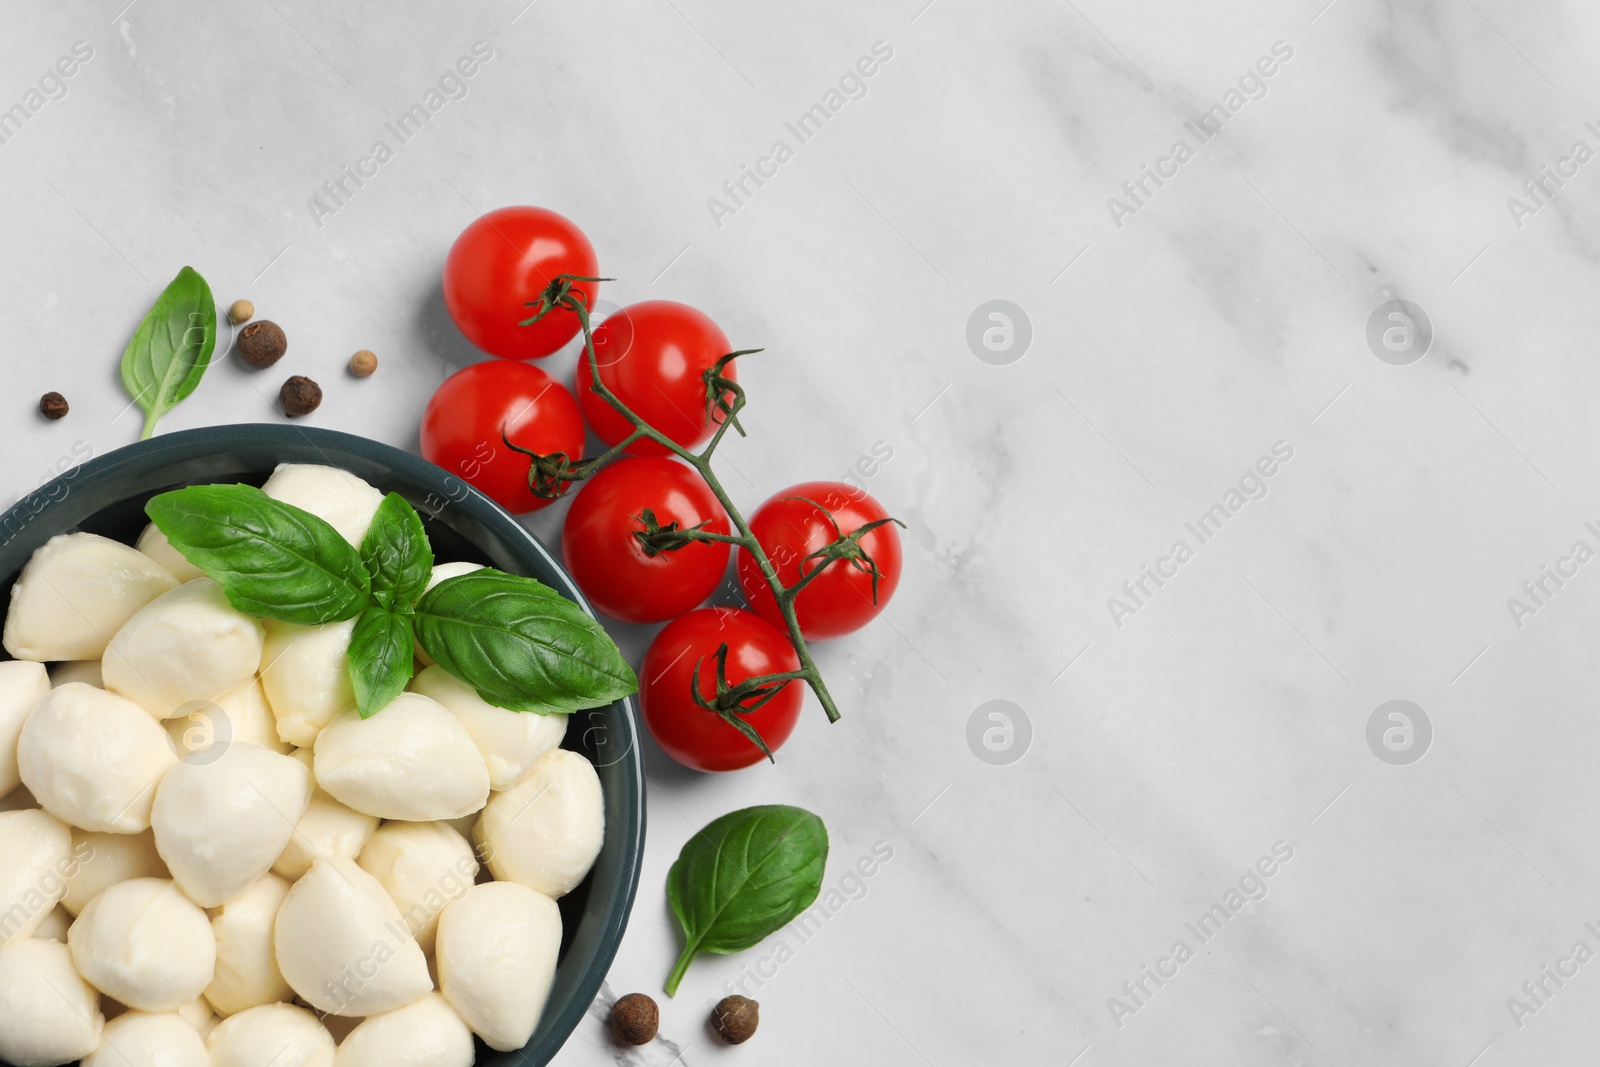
x=463 y=423
x=653 y=356
x=504 y=259
x=617 y=571
x=841 y=599
x=700 y=738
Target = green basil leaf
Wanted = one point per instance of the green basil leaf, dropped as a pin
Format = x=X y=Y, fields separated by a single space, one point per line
x=521 y=644
x=742 y=878
x=397 y=554
x=380 y=657
x=273 y=560
x=171 y=348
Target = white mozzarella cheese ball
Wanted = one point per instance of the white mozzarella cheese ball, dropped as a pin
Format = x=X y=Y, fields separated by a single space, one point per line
x=424 y=1033
x=442 y=571
x=86 y=671
x=35 y=855
x=48 y=1014
x=22 y=686
x=240 y=714
x=273 y=1035
x=74 y=593
x=247 y=974
x=335 y=496
x=546 y=832
x=327 y=829
x=497 y=959
x=412 y=760
x=306 y=677
x=102 y=860
x=219 y=826
x=55 y=925
x=342 y=945
x=154 y=544
x=145 y=944
x=142 y=1039
x=93 y=758
x=512 y=742
x=186 y=646
x=423 y=866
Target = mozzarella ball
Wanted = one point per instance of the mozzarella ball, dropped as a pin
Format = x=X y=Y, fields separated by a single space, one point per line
x=74 y=593
x=197 y=1013
x=154 y=544
x=546 y=832
x=343 y=946
x=141 y=1039
x=497 y=959
x=423 y=866
x=185 y=646
x=35 y=855
x=48 y=1014
x=145 y=944
x=335 y=496
x=412 y=760
x=273 y=1035
x=511 y=742
x=424 y=1033
x=219 y=826
x=55 y=925
x=306 y=677
x=247 y=974
x=93 y=758
x=327 y=829
x=102 y=860
x=240 y=714
x=441 y=572
x=86 y=671
x=22 y=686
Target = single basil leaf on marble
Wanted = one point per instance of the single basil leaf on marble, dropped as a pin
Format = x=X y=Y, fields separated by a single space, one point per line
x=521 y=644
x=742 y=878
x=380 y=657
x=273 y=560
x=396 y=553
x=172 y=347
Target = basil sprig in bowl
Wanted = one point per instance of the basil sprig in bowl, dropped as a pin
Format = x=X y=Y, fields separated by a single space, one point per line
x=107 y=496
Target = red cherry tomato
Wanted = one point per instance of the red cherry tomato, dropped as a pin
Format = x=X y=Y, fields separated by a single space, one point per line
x=653 y=356
x=841 y=599
x=695 y=736
x=617 y=571
x=506 y=258
x=463 y=423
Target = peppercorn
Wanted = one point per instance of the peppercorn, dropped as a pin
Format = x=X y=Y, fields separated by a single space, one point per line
x=363 y=363
x=261 y=344
x=241 y=311
x=299 y=396
x=53 y=406
x=735 y=1019
x=634 y=1019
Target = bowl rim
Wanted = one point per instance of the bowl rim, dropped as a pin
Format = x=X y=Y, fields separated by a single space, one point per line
x=156 y=453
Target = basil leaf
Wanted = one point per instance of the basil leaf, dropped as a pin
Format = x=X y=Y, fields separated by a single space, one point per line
x=397 y=554
x=521 y=644
x=742 y=878
x=272 y=559
x=171 y=348
x=380 y=657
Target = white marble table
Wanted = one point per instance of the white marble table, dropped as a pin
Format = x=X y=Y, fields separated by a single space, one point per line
x=1358 y=154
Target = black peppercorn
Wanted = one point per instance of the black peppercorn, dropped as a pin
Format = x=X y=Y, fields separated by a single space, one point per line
x=735 y=1019
x=53 y=406
x=261 y=344
x=299 y=396
x=634 y=1019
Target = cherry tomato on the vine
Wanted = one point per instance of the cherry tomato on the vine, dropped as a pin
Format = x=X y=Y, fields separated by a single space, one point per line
x=506 y=258
x=605 y=539
x=698 y=737
x=653 y=356
x=800 y=521
x=463 y=425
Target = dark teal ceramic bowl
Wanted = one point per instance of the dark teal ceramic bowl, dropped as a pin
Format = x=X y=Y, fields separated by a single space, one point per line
x=106 y=496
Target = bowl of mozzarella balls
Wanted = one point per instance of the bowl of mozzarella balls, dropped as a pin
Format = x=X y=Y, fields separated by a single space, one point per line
x=209 y=859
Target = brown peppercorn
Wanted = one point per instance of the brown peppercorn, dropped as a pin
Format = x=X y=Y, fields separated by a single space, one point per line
x=634 y=1019
x=735 y=1019
x=299 y=396
x=53 y=406
x=261 y=344
x=241 y=311
x=363 y=363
